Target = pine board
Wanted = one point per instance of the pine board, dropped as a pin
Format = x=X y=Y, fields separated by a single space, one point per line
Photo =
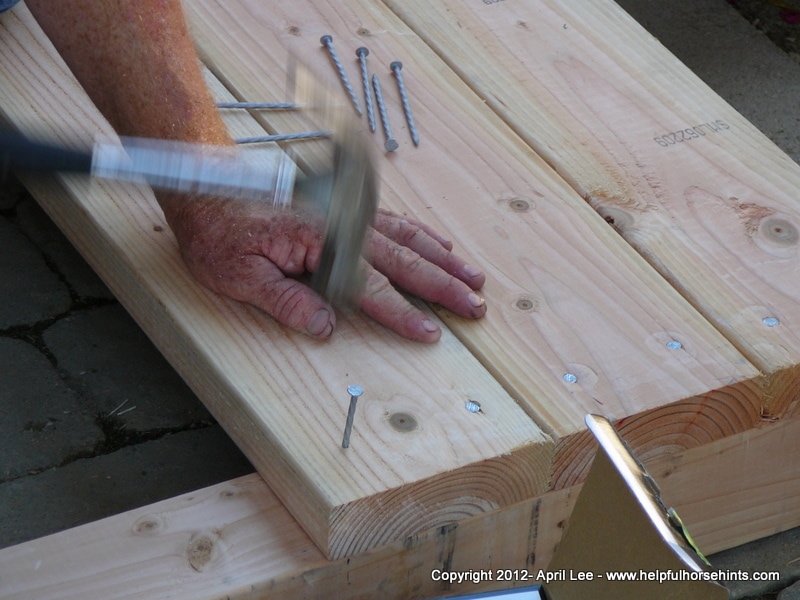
x=281 y=396
x=693 y=186
x=566 y=295
x=236 y=540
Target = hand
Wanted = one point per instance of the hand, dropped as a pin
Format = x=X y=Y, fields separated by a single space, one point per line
x=253 y=253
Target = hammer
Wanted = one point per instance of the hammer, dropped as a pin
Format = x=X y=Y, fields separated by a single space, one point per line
x=345 y=195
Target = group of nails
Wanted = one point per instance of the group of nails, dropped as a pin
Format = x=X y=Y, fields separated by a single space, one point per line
x=396 y=67
x=390 y=144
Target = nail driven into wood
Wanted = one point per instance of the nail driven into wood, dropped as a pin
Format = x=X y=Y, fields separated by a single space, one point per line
x=327 y=41
x=396 y=68
x=362 y=54
x=355 y=391
x=390 y=144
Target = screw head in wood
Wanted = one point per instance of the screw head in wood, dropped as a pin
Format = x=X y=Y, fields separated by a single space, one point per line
x=472 y=406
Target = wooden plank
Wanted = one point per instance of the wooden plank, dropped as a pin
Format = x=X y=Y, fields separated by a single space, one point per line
x=281 y=396
x=566 y=295
x=703 y=195
x=236 y=540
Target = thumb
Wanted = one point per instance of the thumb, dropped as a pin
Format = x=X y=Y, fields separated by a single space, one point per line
x=294 y=305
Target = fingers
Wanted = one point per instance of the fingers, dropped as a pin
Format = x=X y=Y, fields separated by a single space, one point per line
x=429 y=245
x=389 y=216
x=421 y=277
x=257 y=281
x=388 y=307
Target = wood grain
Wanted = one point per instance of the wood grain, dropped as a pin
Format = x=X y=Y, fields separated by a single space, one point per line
x=281 y=396
x=704 y=196
x=237 y=540
x=566 y=294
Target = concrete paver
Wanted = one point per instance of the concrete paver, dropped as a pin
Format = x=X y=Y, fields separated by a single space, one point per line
x=42 y=421
x=31 y=291
x=112 y=362
x=92 y=488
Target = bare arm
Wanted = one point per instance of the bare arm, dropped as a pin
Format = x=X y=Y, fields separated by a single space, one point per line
x=137 y=62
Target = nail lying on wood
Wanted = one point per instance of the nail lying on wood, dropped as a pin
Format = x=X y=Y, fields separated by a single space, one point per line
x=327 y=41
x=283 y=137
x=362 y=53
x=258 y=105
x=390 y=144
x=396 y=67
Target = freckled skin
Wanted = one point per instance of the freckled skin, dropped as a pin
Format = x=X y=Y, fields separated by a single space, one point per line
x=136 y=60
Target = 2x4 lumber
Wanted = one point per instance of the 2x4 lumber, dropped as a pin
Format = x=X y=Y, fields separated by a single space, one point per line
x=236 y=540
x=566 y=294
x=282 y=396
x=693 y=186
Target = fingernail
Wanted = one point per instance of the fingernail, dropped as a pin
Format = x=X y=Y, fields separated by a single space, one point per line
x=429 y=326
x=476 y=300
x=471 y=271
x=319 y=322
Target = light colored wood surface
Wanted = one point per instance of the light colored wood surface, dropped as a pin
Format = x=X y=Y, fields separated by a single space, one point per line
x=236 y=539
x=566 y=294
x=706 y=198
x=590 y=305
x=281 y=396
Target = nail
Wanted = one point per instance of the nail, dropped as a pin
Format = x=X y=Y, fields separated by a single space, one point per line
x=319 y=324
x=362 y=54
x=473 y=406
x=390 y=144
x=283 y=137
x=471 y=271
x=476 y=300
x=396 y=66
x=355 y=391
x=327 y=41
x=258 y=105
x=429 y=326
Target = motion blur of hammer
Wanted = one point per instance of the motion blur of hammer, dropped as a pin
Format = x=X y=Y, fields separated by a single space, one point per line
x=344 y=193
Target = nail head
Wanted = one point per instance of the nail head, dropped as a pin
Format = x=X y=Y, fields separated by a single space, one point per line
x=770 y=321
x=355 y=390
x=674 y=345
x=570 y=378
x=472 y=406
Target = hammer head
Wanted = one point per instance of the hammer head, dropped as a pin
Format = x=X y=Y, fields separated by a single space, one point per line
x=348 y=193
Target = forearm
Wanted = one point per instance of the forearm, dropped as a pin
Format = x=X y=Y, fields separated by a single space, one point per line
x=137 y=62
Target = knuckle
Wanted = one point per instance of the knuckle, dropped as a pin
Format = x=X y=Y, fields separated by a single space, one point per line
x=406 y=259
x=285 y=305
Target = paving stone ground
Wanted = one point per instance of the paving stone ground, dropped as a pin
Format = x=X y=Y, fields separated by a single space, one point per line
x=93 y=421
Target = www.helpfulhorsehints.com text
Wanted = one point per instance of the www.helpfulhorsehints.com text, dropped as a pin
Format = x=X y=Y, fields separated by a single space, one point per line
x=543 y=576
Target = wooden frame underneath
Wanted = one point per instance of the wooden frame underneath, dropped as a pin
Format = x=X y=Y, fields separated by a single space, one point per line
x=236 y=540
